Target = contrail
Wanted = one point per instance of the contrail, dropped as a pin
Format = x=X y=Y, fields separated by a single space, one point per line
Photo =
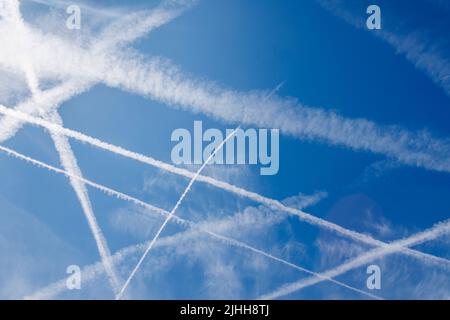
x=69 y=163
x=66 y=155
x=438 y=230
x=163 y=82
x=172 y=213
x=92 y=271
x=417 y=159
x=180 y=221
x=125 y=30
x=271 y=203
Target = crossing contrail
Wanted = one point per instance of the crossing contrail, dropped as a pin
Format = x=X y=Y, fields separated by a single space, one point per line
x=45 y=104
x=167 y=214
x=124 y=31
x=67 y=157
x=271 y=203
x=160 y=80
x=172 y=213
x=438 y=230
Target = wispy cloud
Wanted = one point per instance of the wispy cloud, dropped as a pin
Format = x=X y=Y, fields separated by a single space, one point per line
x=171 y=214
x=80 y=68
x=438 y=230
x=181 y=221
x=242 y=222
x=160 y=80
x=65 y=152
x=274 y=204
x=10 y=11
x=125 y=30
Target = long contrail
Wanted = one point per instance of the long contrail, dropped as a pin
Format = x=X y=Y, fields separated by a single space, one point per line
x=65 y=152
x=180 y=200
x=92 y=271
x=126 y=30
x=438 y=230
x=172 y=213
x=163 y=82
x=67 y=157
x=69 y=163
x=275 y=204
x=177 y=219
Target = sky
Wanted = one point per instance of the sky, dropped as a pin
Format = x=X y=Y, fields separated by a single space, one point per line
x=364 y=149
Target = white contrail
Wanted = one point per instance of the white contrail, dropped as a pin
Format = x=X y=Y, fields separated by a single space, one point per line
x=163 y=82
x=438 y=230
x=195 y=227
x=45 y=104
x=66 y=155
x=271 y=203
x=69 y=163
x=135 y=25
x=10 y=11
x=417 y=159
x=124 y=31
x=418 y=50
x=172 y=213
x=92 y=271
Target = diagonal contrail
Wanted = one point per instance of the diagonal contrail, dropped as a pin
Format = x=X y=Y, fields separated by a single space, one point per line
x=69 y=163
x=193 y=226
x=438 y=230
x=124 y=31
x=306 y=216
x=271 y=203
x=118 y=34
x=67 y=156
x=161 y=81
x=164 y=82
x=172 y=213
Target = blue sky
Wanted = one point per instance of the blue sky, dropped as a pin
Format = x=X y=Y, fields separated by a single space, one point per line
x=366 y=147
